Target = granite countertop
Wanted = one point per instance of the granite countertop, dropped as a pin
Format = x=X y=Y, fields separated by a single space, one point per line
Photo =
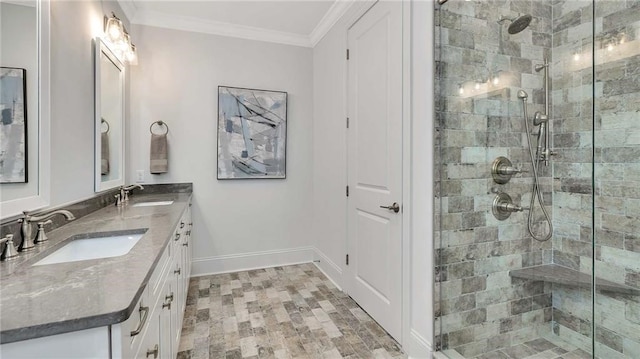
x=37 y=301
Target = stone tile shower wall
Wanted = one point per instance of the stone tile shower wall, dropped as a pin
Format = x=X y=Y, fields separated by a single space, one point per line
x=481 y=308
x=617 y=170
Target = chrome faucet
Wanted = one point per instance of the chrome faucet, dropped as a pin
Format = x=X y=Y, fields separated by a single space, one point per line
x=27 y=240
x=124 y=191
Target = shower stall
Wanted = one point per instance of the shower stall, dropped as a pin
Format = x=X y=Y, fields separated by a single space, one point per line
x=537 y=169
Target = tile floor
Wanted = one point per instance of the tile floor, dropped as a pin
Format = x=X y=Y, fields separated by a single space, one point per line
x=281 y=312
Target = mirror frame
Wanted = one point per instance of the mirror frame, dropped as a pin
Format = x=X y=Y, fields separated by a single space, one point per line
x=102 y=48
x=42 y=198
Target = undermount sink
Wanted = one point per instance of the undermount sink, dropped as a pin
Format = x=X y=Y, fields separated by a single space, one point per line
x=94 y=246
x=151 y=204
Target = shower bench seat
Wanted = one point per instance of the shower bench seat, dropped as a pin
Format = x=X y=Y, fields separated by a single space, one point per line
x=554 y=273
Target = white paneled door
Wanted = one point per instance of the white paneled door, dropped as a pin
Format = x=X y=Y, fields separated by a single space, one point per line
x=374 y=272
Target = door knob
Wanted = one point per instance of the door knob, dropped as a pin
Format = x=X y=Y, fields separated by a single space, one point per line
x=394 y=207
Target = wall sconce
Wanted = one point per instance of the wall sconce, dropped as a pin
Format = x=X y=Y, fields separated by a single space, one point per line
x=120 y=40
x=114 y=29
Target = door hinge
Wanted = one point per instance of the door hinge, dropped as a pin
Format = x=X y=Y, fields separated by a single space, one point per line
x=347 y=122
x=347 y=260
x=347 y=191
x=347 y=54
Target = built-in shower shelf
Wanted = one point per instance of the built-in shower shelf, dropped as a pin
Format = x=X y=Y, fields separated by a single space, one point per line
x=554 y=273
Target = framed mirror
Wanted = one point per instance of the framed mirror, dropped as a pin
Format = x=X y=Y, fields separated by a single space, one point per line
x=24 y=106
x=109 y=118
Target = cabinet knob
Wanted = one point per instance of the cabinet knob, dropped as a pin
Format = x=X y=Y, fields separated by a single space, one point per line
x=153 y=352
x=177 y=271
x=186 y=244
x=181 y=224
x=177 y=237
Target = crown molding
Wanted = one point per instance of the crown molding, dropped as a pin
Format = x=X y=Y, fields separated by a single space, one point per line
x=335 y=12
x=193 y=24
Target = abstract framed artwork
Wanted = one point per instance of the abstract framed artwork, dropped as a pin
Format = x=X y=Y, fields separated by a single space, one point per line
x=252 y=133
x=13 y=125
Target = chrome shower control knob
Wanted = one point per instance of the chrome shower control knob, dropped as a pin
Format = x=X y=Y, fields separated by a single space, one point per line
x=502 y=170
x=503 y=206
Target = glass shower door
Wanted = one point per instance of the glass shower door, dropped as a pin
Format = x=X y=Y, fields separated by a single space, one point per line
x=512 y=280
x=617 y=179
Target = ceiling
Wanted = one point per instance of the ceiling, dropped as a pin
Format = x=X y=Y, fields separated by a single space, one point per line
x=291 y=22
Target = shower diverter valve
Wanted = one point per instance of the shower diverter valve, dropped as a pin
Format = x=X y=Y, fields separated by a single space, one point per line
x=502 y=170
x=503 y=206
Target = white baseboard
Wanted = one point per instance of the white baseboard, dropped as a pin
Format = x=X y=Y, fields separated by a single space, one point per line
x=248 y=261
x=329 y=268
x=419 y=347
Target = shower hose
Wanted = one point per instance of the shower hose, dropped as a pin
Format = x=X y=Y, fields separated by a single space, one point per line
x=535 y=191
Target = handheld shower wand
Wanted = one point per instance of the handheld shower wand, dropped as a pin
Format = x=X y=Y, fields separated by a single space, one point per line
x=543 y=137
x=538 y=120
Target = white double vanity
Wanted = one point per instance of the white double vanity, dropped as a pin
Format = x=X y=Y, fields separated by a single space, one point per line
x=110 y=280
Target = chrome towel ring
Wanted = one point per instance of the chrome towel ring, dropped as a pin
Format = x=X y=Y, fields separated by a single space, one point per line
x=159 y=123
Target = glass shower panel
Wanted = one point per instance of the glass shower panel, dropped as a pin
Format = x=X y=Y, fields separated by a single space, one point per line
x=512 y=280
x=617 y=180
x=572 y=99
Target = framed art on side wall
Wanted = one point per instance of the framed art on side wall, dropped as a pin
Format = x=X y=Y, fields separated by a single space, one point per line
x=252 y=133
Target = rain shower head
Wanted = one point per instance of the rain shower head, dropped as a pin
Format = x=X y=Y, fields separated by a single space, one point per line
x=518 y=24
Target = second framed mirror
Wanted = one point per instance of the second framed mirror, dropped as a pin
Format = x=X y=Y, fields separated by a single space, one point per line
x=109 y=118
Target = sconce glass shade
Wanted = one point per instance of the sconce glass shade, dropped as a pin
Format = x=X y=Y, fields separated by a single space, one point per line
x=125 y=45
x=114 y=30
x=132 y=55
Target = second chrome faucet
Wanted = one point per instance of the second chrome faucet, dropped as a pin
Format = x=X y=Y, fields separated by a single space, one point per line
x=123 y=197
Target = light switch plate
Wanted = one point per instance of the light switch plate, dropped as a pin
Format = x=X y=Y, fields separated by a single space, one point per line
x=140 y=176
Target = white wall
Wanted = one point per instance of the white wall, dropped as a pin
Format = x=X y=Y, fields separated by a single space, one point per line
x=330 y=149
x=330 y=168
x=74 y=25
x=177 y=81
x=422 y=142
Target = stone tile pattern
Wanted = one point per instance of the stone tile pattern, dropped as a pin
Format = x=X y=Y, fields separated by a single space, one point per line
x=480 y=308
x=617 y=170
x=537 y=349
x=281 y=312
